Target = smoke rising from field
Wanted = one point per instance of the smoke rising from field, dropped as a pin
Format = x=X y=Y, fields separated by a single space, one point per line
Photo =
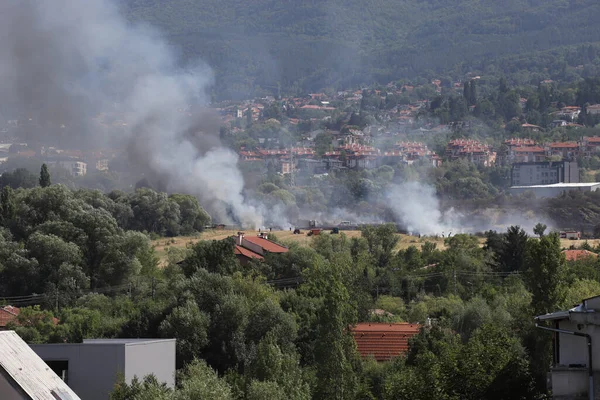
x=71 y=65
x=417 y=207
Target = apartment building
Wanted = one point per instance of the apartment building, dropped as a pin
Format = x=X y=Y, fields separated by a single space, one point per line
x=544 y=173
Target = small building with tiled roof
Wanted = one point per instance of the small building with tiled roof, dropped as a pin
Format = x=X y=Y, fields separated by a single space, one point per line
x=523 y=154
x=471 y=150
x=531 y=127
x=564 y=149
x=248 y=248
x=245 y=255
x=9 y=314
x=576 y=255
x=590 y=145
x=383 y=341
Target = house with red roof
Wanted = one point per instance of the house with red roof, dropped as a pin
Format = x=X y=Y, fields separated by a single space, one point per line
x=520 y=150
x=248 y=247
x=576 y=255
x=531 y=127
x=590 y=145
x=471 y=150
x=9 y=314
x=383 y=341
x=564 y=149
x=527 y=154
x=570 y=113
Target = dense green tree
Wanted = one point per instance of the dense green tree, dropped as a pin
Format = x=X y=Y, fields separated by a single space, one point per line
x=19 y=178
x=154 y=212
x=335 y=351
x=381 y=241
x=539 y=229
x=511 y=255
x=490 y=364
x=473 y=93
x=215 y=256
x=148 y=388
x=44 y=176
x=193 y=217
x=189 y=325
x=7 y=205
x=545 y=270
x=281 y=369
x=323 y=143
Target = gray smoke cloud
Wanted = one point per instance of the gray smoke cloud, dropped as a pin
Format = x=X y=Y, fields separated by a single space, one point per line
x=417 y=206
x=65 y=64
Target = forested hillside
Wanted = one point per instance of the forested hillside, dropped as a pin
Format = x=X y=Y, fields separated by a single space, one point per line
x=309 y=45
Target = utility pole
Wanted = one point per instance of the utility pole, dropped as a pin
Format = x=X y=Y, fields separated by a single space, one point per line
x=57 y=299
x=153 y=288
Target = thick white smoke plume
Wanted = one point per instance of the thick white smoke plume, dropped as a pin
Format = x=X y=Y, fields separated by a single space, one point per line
x=417 y=207
x=71 y=65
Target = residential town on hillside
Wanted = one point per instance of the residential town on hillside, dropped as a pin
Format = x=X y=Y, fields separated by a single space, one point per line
x=399 y=136
x=355 y=156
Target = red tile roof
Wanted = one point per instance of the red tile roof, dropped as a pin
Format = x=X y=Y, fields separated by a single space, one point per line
x=8 y=314
x=556 y=145
x=266 y=244
x=383 y=341
x=574 y=255
x=239 y=250
x=529 y=149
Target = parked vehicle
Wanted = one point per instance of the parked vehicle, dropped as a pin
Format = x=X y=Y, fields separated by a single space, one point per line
x=571 y=235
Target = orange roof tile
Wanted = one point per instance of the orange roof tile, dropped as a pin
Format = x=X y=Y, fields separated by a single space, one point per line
x=383 y=341
x=266 y=244
x=557 y=145
x=574 y=255
x=529 y=149
x=246 y=253
x=8 y=314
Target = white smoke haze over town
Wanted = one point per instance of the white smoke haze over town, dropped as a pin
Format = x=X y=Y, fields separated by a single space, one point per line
x=68 y=63
x=65 y=62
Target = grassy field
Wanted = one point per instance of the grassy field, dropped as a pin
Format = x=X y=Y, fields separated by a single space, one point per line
x=162 y=245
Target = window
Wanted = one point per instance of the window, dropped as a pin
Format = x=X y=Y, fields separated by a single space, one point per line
x=60 y=368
